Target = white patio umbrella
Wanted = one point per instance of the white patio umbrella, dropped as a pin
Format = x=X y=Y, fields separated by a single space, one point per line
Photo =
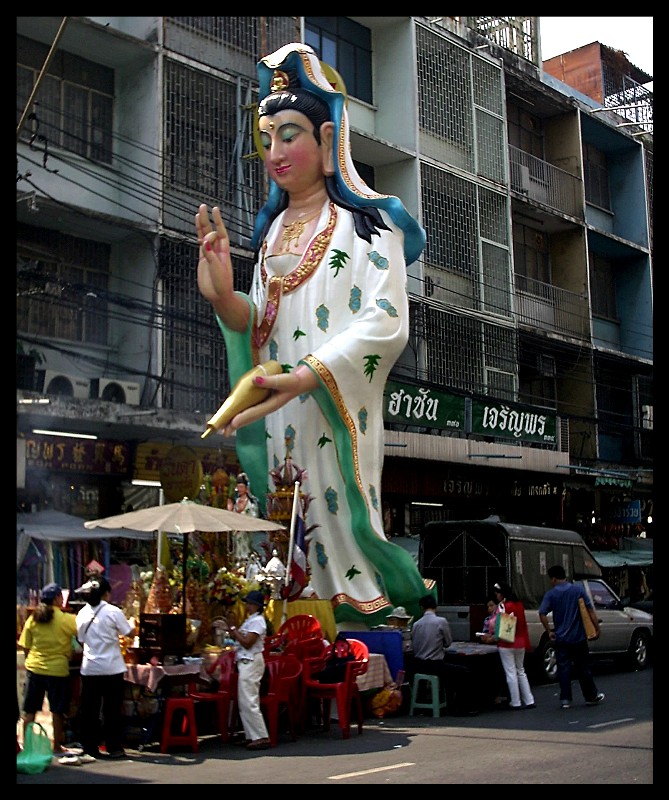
x=184 y=518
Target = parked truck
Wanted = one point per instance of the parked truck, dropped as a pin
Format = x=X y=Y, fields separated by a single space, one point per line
x=466 y=558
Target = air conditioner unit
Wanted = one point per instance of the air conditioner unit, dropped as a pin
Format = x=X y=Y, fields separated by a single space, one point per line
x=66 y=385
x=116 y=391
x=520 y=178
x=647 y=417
x=524 y=174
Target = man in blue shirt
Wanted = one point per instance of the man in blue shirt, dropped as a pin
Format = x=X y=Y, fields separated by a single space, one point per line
x=571 y=643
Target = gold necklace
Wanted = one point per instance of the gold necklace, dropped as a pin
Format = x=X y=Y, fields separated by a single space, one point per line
x=294 y=230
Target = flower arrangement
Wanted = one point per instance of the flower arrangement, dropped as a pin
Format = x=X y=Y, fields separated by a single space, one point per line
x=226 y=587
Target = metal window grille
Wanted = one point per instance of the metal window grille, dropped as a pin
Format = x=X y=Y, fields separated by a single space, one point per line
x=457 y=214
x=460 y=107
x=195 y=367
x=596 y=177
x=57 y=279
x=210 y=150
x=517 y=34
x=74 y=108
x=466 y=353
x=234 y=44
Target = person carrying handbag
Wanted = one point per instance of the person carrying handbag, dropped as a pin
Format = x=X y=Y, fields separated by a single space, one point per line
x=512 y=654
x=46 y=640
x=99 y=625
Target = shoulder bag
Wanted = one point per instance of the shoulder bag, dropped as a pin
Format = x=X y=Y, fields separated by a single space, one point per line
x=590 y=631
x=505 y=626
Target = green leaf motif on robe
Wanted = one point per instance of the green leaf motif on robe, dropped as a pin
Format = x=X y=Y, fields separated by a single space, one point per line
x=352 y=572
x=323 y=441
x=297 y=333
x=371 y=363
x=337 y=260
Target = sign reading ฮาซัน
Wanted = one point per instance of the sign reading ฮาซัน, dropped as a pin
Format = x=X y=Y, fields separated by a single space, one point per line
x=423 y=406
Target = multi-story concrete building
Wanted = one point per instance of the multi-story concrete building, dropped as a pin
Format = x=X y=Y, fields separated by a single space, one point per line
x=526 y=387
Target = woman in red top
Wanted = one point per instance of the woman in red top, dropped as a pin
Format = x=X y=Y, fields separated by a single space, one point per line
x=512 y=654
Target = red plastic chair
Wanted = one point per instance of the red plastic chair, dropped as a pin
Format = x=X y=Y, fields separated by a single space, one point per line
x=301 y=626
x=273 y=645
x=302 y=636
x=285 y=672
x=345 y=693
x=225 y=697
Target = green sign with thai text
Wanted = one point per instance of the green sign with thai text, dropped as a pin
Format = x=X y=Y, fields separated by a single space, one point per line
x=503 y=419
x=407 y=404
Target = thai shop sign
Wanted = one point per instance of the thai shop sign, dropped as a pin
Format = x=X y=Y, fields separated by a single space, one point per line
x=415 y=405
x=521 y=424
x=627 y=512
x=98 y=457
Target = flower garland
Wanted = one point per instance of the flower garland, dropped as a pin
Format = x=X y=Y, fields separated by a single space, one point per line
x=226 y=587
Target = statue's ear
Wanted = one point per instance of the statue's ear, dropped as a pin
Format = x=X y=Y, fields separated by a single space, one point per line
x=327 y=138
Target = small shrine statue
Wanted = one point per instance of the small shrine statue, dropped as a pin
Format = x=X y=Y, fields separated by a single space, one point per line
x=243 y=502
x=275 y=573
x=253 y=567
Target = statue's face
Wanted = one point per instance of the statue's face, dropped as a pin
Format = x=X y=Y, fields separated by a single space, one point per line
x=292 y=154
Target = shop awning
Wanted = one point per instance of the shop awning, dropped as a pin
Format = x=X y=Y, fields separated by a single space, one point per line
x=57 y=526
x=627 y=557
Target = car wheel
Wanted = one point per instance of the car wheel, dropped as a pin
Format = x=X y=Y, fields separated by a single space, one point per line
x=638 y=653
x=547 y=662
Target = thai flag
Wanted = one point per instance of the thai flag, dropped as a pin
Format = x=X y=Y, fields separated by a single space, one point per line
x=298 y=564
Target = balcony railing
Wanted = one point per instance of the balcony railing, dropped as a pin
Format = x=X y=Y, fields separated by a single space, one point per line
x=540 y=305
x=544 y=183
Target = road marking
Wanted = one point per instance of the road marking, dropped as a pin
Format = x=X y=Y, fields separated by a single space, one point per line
x=370 y=771
x=612 y=722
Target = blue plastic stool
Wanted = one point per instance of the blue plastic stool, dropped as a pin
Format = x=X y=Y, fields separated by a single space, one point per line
x=432 y=685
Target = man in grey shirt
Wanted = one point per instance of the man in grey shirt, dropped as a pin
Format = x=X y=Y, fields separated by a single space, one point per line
x=430 y=636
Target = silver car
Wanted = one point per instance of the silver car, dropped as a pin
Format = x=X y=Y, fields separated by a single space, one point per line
x=625 y=633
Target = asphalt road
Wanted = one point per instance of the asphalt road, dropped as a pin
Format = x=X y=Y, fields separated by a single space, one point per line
x=605 y=744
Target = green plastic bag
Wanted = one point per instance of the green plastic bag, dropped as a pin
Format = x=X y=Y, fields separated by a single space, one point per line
x=37 y=753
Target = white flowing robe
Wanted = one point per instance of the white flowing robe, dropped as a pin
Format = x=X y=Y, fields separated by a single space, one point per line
x=342 y=309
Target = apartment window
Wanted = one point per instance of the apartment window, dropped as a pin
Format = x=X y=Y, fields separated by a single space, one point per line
x=346 y=46
x=208 y=135
x=603 y=288
x=460 y=108
x=596 y=177
x=74 y=106
x=194 y=371
x=530 y=256
x=526 y=132
x=61 y=286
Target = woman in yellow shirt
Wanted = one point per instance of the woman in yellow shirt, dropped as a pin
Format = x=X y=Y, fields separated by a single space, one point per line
x=46 y=639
